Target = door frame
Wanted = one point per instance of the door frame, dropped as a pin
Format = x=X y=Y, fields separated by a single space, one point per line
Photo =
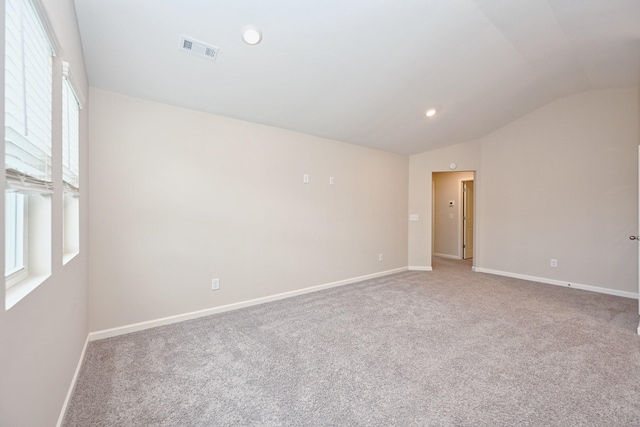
x=463 y=217
x=460 y=249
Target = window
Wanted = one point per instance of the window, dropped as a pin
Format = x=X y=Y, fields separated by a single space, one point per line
x=28 y=86
x=70 y=133
x=15 y=239
x=28 y=112
x=70 y=165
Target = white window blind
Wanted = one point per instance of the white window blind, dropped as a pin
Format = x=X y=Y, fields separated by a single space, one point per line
x=70 y=134
x=28 y=98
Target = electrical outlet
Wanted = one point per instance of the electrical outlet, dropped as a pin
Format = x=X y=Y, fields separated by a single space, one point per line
x=380 y=257
x=332 y=180
x=554 y=263
x=305 y=178
x=215 y=284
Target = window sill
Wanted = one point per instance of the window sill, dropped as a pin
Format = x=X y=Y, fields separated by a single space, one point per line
x=68 y=257
x=20 y=290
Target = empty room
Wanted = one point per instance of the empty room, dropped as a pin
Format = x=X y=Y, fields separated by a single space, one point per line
x=412 y=213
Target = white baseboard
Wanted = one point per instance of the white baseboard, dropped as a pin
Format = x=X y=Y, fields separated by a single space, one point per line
x=419 y=268
x=72 y=387
x=447 y=256
x=107 y=333
x=559 y=283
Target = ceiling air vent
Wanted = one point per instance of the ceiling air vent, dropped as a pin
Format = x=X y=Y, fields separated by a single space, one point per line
x=198 y=48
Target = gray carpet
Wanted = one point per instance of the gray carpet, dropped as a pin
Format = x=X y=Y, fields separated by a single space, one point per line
x=448 y=347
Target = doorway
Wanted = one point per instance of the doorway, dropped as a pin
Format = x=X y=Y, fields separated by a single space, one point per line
x=453 y=215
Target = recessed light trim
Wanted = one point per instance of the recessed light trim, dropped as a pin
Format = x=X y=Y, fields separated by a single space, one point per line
x=431 y=112
x=251 y=35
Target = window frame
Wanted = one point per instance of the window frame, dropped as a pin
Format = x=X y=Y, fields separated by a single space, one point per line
x=70 y=146
x=21 y=217
x=71 y=98
x=33 y=33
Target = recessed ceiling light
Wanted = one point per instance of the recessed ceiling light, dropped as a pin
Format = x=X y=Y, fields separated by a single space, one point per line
x=431 y=112
x=251 y=35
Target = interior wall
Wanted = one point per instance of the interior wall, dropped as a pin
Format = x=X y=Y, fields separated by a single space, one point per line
x=42 y=336
x=181 y=197
x=466 y=156
x=562 y=183
x=448 y=219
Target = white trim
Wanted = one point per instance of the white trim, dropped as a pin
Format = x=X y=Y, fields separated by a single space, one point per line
x=17 y=292
x=18 y=275
x=420 y=268
x=108 y=333
x=460 y=221
x=68 y=256
x=447 y=256
x=461 y=225
x=75 y=86
x=559 y=283
x=72 y=386
x=41 y=11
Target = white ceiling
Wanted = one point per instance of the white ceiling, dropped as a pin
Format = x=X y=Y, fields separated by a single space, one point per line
x=365 y=71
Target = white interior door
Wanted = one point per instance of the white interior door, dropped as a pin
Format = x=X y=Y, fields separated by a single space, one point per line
x=467 y=219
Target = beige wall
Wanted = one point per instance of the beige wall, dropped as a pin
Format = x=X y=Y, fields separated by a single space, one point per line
x=559 y=183
x=180 y=197
x=421 y=167
x=447 y=220
x=42 y=336
x=562 y=183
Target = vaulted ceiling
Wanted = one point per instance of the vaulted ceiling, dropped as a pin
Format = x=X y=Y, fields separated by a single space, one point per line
x=365 y=71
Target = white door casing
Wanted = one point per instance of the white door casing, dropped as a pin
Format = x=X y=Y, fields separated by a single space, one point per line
x=467 y=219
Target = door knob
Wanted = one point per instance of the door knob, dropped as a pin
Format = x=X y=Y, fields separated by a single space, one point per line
x=634 y=237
